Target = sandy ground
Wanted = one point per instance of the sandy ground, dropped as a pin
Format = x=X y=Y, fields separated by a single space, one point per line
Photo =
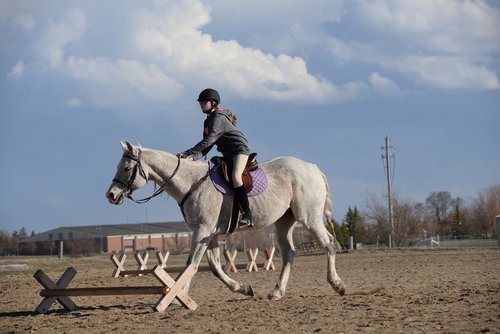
x=396 y=291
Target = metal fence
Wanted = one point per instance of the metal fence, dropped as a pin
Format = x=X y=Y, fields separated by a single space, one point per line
x=459 y=242
x=306 y=245
x=446 y=242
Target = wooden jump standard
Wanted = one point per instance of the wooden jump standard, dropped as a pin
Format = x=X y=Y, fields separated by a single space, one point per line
x=169 y=290
x=230 y=266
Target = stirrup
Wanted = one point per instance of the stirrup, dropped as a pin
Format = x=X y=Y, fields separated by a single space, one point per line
x=245 y=220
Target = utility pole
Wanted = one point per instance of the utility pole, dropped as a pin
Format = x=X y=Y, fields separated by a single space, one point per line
x=388 y=157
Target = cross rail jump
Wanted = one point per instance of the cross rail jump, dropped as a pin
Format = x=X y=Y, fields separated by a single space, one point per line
x=169 y=290
x=230 y=266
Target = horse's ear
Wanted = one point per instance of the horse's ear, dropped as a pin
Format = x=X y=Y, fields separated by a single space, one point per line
x=127 y=146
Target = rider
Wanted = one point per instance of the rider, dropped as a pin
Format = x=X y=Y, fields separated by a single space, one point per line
x=219 y=129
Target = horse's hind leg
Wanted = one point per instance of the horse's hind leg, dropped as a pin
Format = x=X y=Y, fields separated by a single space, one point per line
x=284 y=231
x=213 y=255
x=329 y=243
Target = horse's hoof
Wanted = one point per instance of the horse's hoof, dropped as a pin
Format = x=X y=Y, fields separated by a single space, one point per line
x=249 y=291
x=340 y=289
x=274 y=295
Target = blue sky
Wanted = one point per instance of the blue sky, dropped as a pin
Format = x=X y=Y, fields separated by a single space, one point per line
x=324 y=81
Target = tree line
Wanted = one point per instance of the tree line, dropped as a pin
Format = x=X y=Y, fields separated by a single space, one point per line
x=9 y=243
x=440 y=215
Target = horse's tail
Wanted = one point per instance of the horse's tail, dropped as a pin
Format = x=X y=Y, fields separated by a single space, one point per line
x=328 y=213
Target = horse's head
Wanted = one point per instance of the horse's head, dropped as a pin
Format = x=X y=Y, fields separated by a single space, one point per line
x=129 y=176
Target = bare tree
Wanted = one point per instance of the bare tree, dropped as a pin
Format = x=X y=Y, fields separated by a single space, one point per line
x=484 y=209
x=407 y=225
x=376 y=217
x=407 y=213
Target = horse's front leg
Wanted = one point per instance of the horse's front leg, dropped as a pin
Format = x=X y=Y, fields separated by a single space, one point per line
x=213 y=255
x=199 y=243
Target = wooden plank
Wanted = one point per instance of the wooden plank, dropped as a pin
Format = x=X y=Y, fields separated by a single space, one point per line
x=252 y=256
x=230 y=258
x=168 y=269
x=136 y=272
x=118 y=263
x=105 y=291
x=47 y=283
x=178 y=269
x=162 y=259
x=141 y=261
x=175 y=289
x=269 y=264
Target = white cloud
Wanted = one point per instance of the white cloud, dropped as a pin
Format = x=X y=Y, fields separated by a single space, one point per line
x=149 y=80
x=166 y=48
x=59 y=33
x=384 y=87
x=439 y=25
x=441 y=44
x=168 y=52
x=74 y=102
x=17 y=71
x=447 y=73
x=173 y=35
x=459 y=38
x=24 y=21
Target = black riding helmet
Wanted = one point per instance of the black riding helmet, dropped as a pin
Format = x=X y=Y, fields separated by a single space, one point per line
x=209 y=94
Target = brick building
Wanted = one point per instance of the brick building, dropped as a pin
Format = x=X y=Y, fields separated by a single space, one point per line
x=172 y=236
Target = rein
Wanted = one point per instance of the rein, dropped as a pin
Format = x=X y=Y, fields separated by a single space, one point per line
x=138 y=168
x=193 y=188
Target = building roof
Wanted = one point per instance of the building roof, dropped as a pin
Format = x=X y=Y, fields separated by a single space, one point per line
x=97 y=231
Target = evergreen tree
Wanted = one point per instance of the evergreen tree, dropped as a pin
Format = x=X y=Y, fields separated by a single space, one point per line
x=22 y=233
x=458 y=227
x=342 y=233
x=4 y=242
x=354 y=224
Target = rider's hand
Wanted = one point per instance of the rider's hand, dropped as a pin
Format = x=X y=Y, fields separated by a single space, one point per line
x=182 y=156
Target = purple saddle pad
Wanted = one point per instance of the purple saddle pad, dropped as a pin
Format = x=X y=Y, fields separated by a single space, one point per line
x=258 y=176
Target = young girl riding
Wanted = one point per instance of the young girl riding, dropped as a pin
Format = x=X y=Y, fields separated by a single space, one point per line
x=219 y=129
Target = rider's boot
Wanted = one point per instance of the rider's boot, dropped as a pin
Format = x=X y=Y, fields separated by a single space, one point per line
x=246 y=216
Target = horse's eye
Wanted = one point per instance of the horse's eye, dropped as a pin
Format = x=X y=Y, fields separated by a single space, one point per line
x=127 y=169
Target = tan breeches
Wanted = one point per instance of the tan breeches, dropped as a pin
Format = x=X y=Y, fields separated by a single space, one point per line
x=239 y=163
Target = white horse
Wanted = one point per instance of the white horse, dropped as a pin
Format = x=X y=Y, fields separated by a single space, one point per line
x=297 y=193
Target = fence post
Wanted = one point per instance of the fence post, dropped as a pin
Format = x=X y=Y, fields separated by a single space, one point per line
x=497 y=220
x=61 y=251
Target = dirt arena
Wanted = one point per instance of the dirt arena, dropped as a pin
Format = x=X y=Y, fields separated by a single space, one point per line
x=396 y=291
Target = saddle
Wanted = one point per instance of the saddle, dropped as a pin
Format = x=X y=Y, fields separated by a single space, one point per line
x=226 y=171
x=254 y=181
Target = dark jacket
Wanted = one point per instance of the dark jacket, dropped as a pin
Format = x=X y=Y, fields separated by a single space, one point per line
x=218 y=130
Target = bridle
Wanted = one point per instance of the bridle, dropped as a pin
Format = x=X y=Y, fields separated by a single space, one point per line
x=139 y=169
x=127 y=192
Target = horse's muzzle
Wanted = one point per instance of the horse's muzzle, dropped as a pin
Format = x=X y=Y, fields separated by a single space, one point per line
x=113 y=198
